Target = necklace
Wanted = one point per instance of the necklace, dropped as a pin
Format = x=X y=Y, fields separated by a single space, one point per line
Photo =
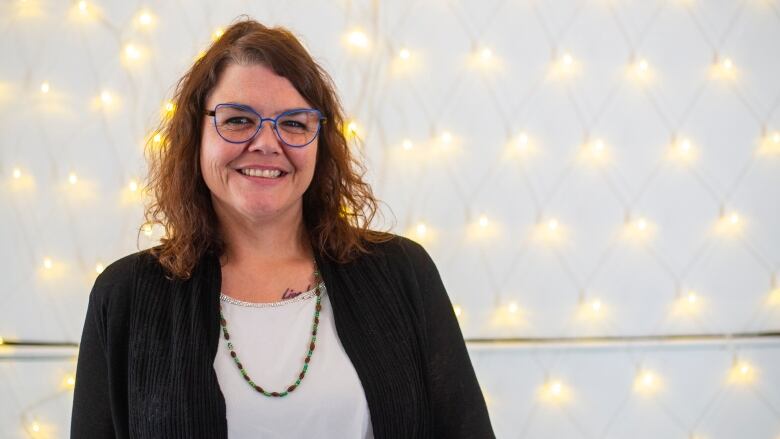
x=306 y=361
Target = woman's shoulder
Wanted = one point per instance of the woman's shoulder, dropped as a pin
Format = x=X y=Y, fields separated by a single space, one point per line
x=400 y=248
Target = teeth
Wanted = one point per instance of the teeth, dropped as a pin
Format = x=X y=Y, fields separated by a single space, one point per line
x=266 y=173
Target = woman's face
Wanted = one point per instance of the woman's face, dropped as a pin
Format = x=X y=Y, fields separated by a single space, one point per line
x=231 y=171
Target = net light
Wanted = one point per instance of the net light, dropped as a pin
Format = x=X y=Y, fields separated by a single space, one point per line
x=48 y=263
x=45 y=87
x=358 y=39
x=638 y=229
x=407 y=145
x=217 y=34
x=16 y=173
x=554 y=392
x=458 y=311
x=483 y=221
x=595 y=152
x=730 y=224
x=446 y=137
x=647 y=382
x=723 y=69
x=486 y=54
x=564 y=66
x=742 y=372
x=106 y=98
x=145 y=19
x=147 y=229
x=69 y=381
x=99 y=268
x=73 y=178
x=770 y=144
x=83 y=7
x=682 y=151
x=421 y=229
x=352 y=129
x=404 y=54
x=688 y=303
x=133 y=185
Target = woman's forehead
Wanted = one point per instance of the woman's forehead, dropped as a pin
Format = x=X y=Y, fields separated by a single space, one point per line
x=257 y=86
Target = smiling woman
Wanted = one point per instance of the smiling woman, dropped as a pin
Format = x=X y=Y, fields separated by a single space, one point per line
x=343 y=331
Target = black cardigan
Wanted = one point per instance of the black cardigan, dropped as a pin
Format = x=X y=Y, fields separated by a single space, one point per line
x=145 y=365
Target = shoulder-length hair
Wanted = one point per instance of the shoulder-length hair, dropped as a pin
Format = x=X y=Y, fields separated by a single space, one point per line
x=338 y=206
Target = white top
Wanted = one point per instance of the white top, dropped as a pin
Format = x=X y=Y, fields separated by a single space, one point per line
x=272 y=340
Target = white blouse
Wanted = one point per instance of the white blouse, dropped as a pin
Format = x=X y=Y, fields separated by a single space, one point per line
x=272 y=340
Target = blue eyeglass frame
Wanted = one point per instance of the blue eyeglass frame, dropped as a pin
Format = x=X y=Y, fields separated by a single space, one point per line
x=322 y=120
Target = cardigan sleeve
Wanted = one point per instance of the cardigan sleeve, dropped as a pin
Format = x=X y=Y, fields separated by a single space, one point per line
x=458 y=405
x=99 y=397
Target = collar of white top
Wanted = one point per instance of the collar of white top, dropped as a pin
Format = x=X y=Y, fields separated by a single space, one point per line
x=303 y=296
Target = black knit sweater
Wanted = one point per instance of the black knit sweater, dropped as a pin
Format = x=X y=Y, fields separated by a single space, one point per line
x=145 y=365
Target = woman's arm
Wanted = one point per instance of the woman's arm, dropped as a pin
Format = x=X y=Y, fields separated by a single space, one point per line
x=459 y=407
x=91 y=416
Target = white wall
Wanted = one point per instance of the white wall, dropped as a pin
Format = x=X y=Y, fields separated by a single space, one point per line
x=639 y=225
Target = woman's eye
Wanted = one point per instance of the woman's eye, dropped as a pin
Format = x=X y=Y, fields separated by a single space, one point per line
x=293 y=124
x=238 y=121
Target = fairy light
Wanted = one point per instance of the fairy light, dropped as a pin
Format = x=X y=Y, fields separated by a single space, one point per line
x=647 y=382
x=770 y=144
x=73 y=178
x=147 y=229
x=483 y=221
x=446 y=137
x=422 y=229
x=45 y=87
x=83 y=7
x=724 y=68
x=145 y=18
x=404 y=54
x=132 y=52
x=552 y=225
x=99 y=268
x=133 y=185
x=352 y=129
x=157 y=138
x=69 y=381
x=729 y=224
x=35 y=427
x=595 y=151
x=217 y=34
x=486 y=53
x=554 y=392
x=106 y=97
x=358 y=38
x=169 y=107
x=407 y=144
x=48 y=263
x=512 y=307
x=16 y=173
x=741 y=372
x=458 y=310
x=2 y=341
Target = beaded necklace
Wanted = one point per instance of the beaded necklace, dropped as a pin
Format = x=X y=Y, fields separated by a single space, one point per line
x=292 y=387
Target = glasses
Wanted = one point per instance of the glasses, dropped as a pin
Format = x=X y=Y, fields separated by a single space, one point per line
x=238 y=123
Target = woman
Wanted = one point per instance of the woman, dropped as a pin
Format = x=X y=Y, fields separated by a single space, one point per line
x=270 y=309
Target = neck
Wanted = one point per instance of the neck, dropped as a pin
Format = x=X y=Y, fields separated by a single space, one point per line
x=264 y=242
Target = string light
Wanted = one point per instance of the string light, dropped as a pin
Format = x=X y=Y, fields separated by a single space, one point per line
x=106 y=97
x=554 y=392
x=638 y=230
x=357 y=38
x=458 y=311
x=446 y=137
x=99 y=268
x=407 y=144
x=724 y=69
x=486 y=53
x=770 y=144
x=83 y=7
x=145 y=18
x=217 y=34
x=741 y=372
x=48 y=263
x=69 y=381
x=404 y=54
x=2 y=341
x=133 y=185
x=35 y=427
x=688 y=304
x=352 y=129
x=595 y=151
x=483 y=221
x=132 y=52
x=422 y=229
x=647 y=382
x=16 y=173
x=729 y=224
x=73 y=178
x=565 y=66
x=682 y=151
x=45 y=87
x=147 y=229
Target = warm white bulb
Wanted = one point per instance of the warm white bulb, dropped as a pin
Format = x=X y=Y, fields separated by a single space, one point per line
x=407 y=144
x=641 y=224
x=734 y=218
x=99 y=268
x=35 y=427
x=17 y=173
x=145 y=19
x=596 y=305
x=552 y=224
x=147 y=229
x=483 y=221
x=157 y=138
x=556 y=388
x=446 y=137
x=133 y=185
x=421 y=229
x=404 y=54
x=83 y=7
x=217 y=34
x=458 y=310
x=692 y=297
x=47 y=263
x=106 y=97
x=567 y=59
x=358 y=38
x=73 y=178
x=132 y=52
x=45 y=87
x=512 y=307
x=728 y=64
x=643 y=65
x=776 y=137
x=486 y=53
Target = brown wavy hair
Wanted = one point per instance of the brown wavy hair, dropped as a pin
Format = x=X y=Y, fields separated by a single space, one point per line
x=338 y=206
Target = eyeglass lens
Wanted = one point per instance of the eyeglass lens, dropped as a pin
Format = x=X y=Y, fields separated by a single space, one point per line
x=295 y=128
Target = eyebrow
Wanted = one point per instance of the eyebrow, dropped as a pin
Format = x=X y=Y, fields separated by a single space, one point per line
x=241 y=104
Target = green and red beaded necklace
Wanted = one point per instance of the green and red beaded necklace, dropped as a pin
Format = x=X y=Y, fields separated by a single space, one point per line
x=306 y=361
